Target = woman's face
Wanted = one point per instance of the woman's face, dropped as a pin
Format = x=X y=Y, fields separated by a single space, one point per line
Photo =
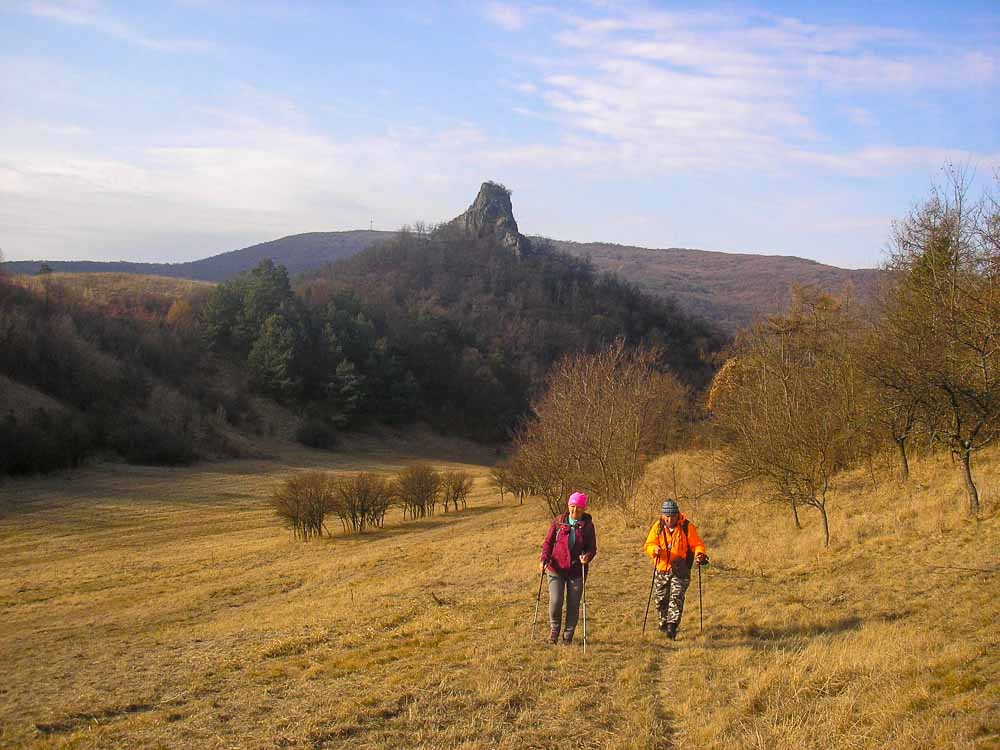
x=575 y=512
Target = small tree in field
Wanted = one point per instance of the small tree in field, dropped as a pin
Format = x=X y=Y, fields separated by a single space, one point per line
x=455 y=488
x=302 y=502
x=941 y=322
x=601 y=418
x=361 y=501
x=417 y=488
x=500 y=478
x=787 y=403
x=893 y=409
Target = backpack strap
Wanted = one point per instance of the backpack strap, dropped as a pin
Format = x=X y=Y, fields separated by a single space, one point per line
x=689 y=557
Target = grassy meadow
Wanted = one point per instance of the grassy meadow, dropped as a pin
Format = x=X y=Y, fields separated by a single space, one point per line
x=165 y=608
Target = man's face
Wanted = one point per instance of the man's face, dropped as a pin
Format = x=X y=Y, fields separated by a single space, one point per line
x=670 y=519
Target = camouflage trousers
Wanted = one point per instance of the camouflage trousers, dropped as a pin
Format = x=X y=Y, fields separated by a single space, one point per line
x=668 y=593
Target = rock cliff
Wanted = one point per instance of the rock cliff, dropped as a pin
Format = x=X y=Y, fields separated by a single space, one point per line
x=491 y=214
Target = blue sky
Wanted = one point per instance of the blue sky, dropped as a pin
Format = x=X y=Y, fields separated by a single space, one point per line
x=176 y=130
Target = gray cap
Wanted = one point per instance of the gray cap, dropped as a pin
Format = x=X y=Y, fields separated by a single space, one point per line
x=669 y=506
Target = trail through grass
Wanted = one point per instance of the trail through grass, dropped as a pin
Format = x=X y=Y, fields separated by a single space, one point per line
x=165 y=608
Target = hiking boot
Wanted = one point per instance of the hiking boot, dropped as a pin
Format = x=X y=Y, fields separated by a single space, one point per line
x=554 y=636
x=567 y=637
x=671 y=630
x=663 y=627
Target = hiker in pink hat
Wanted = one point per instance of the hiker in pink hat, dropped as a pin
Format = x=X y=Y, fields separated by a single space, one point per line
x=570 y=544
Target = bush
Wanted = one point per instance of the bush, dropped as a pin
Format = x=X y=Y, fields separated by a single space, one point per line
x=361 y=501
x=141 y=441
x=316 y=433
x=302 y=501
x=46 y=442
x=417 y=488
x=455 y=488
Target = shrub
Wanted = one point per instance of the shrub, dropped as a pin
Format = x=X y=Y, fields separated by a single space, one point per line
x=141 y=441
x=44 y=443
x=316 y=433
x=417 y=488
x=455 y=488
x=361 y=501
x=302 y=501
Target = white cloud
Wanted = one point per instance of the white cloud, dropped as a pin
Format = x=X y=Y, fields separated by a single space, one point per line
x=233 y=181
x=507 y=16
x=860 y=116
x=99 y=20
x=738 y=90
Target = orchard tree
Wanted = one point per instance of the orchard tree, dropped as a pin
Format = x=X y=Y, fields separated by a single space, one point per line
x=601 y=419
x=787 y=403
x=940 y=327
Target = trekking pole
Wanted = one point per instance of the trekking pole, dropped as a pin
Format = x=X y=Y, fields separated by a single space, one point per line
x=651 y=582
x=701 y=617
x=653 y=579
x=585 y=608
x=538 y=598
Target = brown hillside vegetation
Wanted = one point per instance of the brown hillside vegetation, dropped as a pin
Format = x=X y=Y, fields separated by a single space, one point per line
x=730 y=289
x=122 y=293
x=167 y=608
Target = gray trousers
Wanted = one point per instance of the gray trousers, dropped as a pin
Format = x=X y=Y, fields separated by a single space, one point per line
x=668 y=593
x=570 y=589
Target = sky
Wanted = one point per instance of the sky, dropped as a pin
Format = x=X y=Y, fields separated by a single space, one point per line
x=179 y=129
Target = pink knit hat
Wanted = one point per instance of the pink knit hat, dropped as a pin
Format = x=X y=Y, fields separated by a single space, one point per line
x=578 y=499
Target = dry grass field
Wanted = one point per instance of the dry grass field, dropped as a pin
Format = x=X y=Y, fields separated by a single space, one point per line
x=166 y=609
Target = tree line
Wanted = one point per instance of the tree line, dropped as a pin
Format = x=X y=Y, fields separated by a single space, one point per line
x=803 y=396
x=437 y=326
x=432 y=325
x=361 y=501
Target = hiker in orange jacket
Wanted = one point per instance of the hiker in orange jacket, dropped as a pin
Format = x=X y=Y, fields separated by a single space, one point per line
x=674 y=544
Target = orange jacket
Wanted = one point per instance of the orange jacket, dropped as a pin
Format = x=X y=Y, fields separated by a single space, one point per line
x=677 y=540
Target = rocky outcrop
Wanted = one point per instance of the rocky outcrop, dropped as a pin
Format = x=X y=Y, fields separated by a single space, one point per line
x=491 y=215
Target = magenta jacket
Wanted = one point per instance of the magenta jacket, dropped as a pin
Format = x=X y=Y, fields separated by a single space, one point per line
x=557 y=555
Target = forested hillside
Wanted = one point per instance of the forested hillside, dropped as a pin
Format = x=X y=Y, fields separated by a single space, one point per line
x=442 y=327
x=112 y=368
x=729 y=289
x=439 y=326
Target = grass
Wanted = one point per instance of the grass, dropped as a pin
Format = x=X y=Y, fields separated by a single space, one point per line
x=165 y=608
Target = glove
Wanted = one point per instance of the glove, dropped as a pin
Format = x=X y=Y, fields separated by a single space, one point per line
x=701 y=558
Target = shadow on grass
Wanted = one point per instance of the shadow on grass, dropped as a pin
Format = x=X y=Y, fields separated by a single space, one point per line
x=404 y=528
x=720 y=637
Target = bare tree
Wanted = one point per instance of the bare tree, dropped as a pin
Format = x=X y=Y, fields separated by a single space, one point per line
x=361 y=501
x=417 y=488
x=894 y=407
x=500 y=478
x=302 y=501
x=601 y=418
x=787 y=402
x=941 y=323
x=455 y=488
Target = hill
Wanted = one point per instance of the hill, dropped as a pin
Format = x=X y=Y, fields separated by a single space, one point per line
x=98 y=364
x=298 y=253
x=729 y=289
x=478 y=313
x=121 y=293
x=175 y=612
x=455 y=327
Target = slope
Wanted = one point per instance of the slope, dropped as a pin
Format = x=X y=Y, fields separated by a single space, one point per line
x=298 y=253
x=174 y=612
x=729 y=289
